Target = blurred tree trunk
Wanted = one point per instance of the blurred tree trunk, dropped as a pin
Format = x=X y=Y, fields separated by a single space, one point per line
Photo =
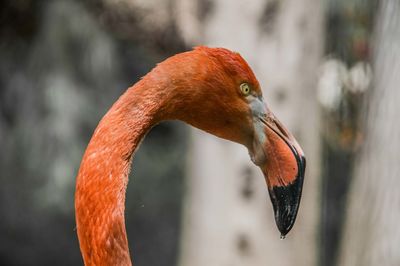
x=228 y=218
x=371 y=235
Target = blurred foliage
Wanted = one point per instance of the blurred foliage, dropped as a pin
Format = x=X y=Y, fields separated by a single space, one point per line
x=349 y=27
x=344 y=83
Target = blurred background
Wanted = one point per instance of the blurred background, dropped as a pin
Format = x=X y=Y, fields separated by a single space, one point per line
x=330 y=70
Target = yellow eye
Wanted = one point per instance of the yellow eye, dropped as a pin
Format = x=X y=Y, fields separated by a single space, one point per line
x=245 y=88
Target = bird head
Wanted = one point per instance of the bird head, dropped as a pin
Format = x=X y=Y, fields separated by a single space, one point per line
x=224 y=98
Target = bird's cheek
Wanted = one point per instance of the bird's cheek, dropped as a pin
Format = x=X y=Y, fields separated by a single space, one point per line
x=258 y=145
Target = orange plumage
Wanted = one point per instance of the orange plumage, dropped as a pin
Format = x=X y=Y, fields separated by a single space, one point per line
x=202 y=88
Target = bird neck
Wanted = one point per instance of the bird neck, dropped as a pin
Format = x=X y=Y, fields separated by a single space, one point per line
x=103 y=174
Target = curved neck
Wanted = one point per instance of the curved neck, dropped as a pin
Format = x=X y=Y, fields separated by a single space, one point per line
x=193 y=87
x=103 y=174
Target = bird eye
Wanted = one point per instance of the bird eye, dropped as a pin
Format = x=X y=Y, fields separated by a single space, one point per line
x=245 y=88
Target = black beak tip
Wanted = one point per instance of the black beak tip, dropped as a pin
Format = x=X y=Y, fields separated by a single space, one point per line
x=286 y=201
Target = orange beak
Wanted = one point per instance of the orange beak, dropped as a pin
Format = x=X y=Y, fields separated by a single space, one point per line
x=282 y=162
x=283 y=170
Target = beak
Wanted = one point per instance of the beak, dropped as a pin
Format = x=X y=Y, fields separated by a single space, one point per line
x=282 y=162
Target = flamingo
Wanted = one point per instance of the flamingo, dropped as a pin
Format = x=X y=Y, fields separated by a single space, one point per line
x=212 y=89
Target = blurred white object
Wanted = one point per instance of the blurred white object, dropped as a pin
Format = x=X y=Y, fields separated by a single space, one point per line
x=359 y=77
x=336 y=79
x=331 y=83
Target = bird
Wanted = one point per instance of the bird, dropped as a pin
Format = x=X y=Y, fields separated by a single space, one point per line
x=212 y=89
